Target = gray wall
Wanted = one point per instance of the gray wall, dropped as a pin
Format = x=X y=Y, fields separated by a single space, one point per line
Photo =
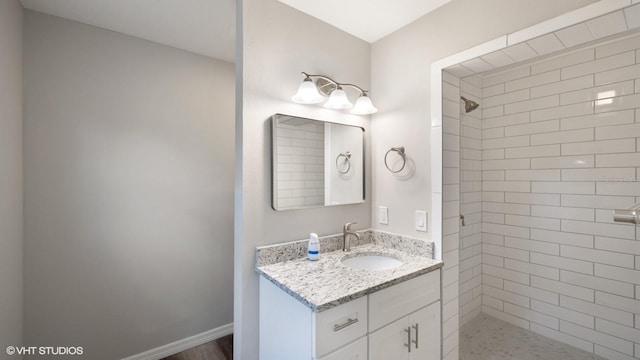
x=276 y=48
x=128 y=192
x=10 y=174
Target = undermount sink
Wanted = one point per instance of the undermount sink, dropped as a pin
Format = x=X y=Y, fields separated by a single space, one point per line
x=371 y=261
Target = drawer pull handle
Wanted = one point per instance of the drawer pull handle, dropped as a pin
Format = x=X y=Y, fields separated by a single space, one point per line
x=416 y=340
x=408 y=344
x=349 y=322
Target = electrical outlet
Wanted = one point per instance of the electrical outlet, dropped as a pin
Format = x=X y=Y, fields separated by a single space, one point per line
x=383 y=215
x=421 y=220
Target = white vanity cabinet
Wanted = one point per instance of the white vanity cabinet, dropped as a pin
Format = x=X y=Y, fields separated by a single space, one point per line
x=370 y=327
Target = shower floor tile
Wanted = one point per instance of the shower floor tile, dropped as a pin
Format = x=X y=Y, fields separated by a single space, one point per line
x=488 y=338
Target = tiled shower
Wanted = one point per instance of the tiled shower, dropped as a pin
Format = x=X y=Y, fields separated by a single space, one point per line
x=553 y=149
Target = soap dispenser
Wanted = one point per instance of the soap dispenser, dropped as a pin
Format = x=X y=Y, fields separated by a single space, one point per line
x=313 y=251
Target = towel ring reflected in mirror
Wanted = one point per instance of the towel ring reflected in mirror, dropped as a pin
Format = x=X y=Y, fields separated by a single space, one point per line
x=347 y=160
x=400 y=151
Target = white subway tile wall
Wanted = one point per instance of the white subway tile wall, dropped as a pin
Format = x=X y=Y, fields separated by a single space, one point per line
x=452 y=202
x=471 y=194
x=559 y=151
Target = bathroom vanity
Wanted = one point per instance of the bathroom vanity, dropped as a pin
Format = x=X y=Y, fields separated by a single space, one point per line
x=329 y=310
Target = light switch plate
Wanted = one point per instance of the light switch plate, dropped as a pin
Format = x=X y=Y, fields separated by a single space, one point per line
x=421 y=220
x=383 y=215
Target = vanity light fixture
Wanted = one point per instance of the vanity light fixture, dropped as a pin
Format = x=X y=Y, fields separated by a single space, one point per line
x=307 y=93
x=312 y=93
x=338 y=100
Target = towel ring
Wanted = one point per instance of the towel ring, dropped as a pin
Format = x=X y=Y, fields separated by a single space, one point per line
x=347 y=159
x=400 y=151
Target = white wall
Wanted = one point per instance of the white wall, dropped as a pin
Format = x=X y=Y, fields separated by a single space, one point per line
x=556 y=163
x=128 y=191
x=11 y=180
x=400 y=76
x=278 y=43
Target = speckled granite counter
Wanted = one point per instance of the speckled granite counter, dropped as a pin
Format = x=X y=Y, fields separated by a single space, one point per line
x=326 y=283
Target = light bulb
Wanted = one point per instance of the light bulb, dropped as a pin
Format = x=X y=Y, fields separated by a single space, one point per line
x=338 y=100
x=307 y=93
x=364 y=106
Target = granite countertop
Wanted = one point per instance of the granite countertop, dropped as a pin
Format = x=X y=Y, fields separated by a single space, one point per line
x=327 y=283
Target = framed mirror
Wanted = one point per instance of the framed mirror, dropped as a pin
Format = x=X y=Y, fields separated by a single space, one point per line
x=315 y=163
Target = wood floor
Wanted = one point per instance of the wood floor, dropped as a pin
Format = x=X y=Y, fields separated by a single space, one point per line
x=220 y=349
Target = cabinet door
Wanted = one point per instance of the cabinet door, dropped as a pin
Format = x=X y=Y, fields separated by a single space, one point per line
x=425 y=333
x=390 y=341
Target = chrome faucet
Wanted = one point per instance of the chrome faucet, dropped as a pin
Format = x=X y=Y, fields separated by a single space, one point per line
x=346 y=231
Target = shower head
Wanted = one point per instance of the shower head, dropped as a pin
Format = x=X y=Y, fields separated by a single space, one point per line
x=469 y=105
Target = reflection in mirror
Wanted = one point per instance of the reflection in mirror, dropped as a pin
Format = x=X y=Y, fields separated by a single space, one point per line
x=316 y=163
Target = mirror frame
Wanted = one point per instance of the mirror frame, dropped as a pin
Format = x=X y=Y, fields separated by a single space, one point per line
x=274 y=167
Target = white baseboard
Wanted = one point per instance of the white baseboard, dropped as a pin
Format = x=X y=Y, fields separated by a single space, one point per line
x=184 y=344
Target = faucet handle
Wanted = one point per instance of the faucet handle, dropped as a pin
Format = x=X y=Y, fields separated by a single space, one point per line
x=347 y=226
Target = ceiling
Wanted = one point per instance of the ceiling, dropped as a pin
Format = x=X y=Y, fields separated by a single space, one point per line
x=205 y=27
x=369 y=20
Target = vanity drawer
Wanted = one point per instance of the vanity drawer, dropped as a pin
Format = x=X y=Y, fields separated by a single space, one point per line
x=392 y=303
x=354 y=351
x=339 y=326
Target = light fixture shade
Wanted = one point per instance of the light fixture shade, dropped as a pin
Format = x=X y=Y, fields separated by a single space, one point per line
x=307 y=93
x=338 y=100
x=364 y=106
